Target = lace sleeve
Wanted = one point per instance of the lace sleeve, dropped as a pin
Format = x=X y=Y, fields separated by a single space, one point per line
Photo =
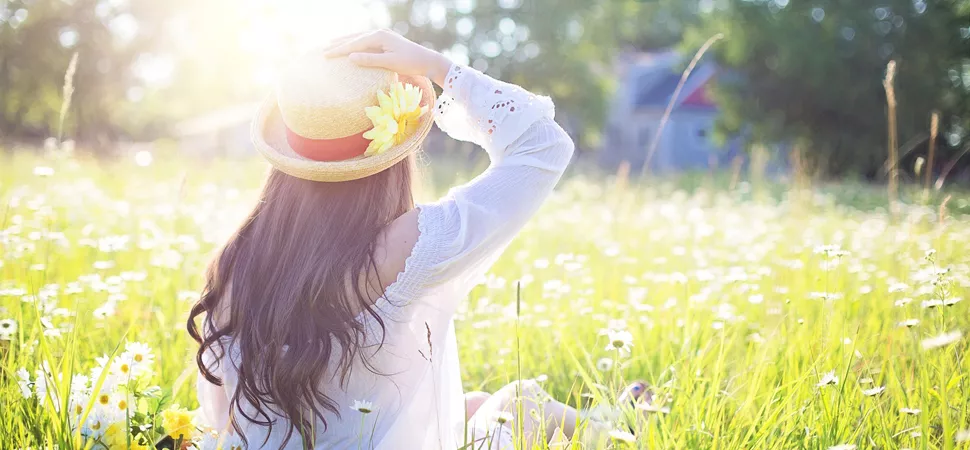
x=464 y=232
x=488 y=112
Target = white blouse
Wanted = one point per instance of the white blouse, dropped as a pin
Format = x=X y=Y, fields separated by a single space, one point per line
x=418 y=402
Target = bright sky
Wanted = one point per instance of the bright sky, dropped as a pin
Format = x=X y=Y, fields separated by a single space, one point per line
x=313 y=21
x=269 y=29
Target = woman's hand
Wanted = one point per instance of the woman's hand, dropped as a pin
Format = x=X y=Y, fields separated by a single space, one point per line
x=388 y=50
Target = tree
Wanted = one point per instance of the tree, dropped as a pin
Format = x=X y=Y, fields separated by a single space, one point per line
x=37 y=41
x=561 y=48
x=811 y=73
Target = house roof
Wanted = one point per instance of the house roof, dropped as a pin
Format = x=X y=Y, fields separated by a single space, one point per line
x=656 y=92
x=653 y=78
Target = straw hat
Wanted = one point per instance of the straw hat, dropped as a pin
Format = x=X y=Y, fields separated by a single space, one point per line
x=312 y=127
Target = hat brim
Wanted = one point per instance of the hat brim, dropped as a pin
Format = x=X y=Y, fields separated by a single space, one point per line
x=269 y=137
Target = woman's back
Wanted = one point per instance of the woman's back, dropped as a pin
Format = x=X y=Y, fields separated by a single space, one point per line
x=406 y=362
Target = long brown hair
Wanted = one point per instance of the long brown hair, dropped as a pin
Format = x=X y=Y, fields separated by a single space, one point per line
x=298 y=273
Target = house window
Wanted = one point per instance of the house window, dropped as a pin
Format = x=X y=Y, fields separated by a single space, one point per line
x=701 y=135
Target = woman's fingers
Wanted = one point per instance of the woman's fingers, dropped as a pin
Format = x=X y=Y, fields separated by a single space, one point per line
x=381 y=60
x=344 y=39
x=369 y=41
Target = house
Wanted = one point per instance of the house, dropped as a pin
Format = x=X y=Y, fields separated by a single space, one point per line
x=647 y=82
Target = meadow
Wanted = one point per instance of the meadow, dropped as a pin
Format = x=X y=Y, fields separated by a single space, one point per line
x=764 y=316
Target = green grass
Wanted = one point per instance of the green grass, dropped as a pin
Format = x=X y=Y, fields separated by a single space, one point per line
x=737 y=311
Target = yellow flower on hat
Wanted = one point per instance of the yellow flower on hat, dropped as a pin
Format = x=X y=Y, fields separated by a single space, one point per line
x=395 y=118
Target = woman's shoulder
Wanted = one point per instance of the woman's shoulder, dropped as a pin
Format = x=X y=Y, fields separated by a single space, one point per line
x=394 y=245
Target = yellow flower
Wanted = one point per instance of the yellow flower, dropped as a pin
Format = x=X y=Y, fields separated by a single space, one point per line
x=116 y=437
x=178 y=422
x=395 y=118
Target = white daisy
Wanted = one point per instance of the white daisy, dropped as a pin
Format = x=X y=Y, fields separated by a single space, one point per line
x=8 y=327
x=619 y=340
x=828 y=378
x=929 y=304
x=963 y=436
x=622 y=436
x=604 y=364
x=362 y=406
x=910 y=411
x=843 y=447
x=874 y=391
x=140 y=353
x=653 y=408
x=942 y=340
x=96 y=424
x=503 y=417
x=897 y=287
x=24 y=381
x=909 y=323
x=43 y=171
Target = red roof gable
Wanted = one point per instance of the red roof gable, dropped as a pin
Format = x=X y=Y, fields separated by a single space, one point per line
x=700 y=97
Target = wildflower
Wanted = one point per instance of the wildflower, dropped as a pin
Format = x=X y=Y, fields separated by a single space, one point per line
x=140 y=356
x=24 y=381
x=363 y=406
x=942 y=340
x=951 y=301
x=622 y=436
x=653 y=408
x=604 y=364
x=963 y=436
x=874 y=391
x=96 y=424
x=212 y=439
x=910 y=411
x=43 y=171
x=116 y=435
x=120 y=401
x=178 y=423
x=620 y=340
x=503 y=417
x=103 y=399
x=909 y=323
x=898 y=287
x=929 y=304
x=121 y=366
x=7 y=329
x=828 y=378
x=843 y=447
x=827 y=250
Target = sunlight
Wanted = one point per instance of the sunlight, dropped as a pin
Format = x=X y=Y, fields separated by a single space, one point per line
x=286 y=27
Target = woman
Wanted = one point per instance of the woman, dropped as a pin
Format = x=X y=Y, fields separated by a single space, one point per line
x=338 y=293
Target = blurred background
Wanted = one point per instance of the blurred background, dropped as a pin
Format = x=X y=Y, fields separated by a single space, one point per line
x=790 y=84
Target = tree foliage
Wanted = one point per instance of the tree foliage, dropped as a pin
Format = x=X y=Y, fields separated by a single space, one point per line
x=811 y=73
x=37 y=41
x=562 y=48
